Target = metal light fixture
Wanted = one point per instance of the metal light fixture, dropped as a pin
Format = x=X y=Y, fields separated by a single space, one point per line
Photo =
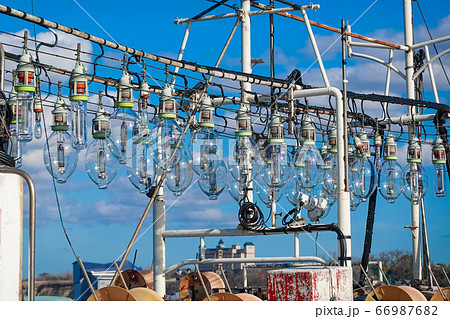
x=276 y=167
x=390 y=180
x=363 y=177
x=330 y=169
x=60 y=157
x=215 y=183
x=16 y=144
x=37 y=116
x=205 y=147
x=308 y=163
x=78 y=85
x=244 y=159
x=415 y=176
x=123 y=119
x=101 y=165
x=25 y=86
x=439 y=159
x=166 y=136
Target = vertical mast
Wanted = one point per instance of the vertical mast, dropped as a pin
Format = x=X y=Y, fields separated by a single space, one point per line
x=410 y=92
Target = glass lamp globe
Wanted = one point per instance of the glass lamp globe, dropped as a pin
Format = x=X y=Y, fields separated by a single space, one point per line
x=390 y=179
x=268 y=194
x=415 y=176
x=205 y=146
x=363 y=177
x=416 y=182
x=167 y=134
x=180 y=176
x=37 y=118
x=206 y=150
x=235 y=189
x=60 y=158
x=140 y=169
x=308 y=161
x=100 y=164
x=121 y=141
x=439 y=160
x=354 y=200
x=293 y=192
x=330 y=174
x=244 y=159
x=215 y=182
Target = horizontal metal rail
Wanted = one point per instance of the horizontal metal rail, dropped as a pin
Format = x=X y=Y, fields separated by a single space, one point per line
x=257 y=260
x=190 y=66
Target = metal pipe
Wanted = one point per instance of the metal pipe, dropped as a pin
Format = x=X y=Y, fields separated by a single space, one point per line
x=429 y=42
x=407 y=119
x=121 y=276
x=31 y=227
x=336 y=30
x=2 y=67
x=431 y=73
x=181 y=52
x=250 y=13
x=199 y=274
x=259 y=260
x=386 y=64
x=296 y=245
x=159 y=245
x=315 y=49
x=343 y=195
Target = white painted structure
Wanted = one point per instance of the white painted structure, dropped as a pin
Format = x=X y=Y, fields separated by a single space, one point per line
x=11 y=230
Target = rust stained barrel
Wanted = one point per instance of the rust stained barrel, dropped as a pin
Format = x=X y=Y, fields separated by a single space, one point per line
x=397 y=293
x=112 y=293
x=226 y=296
x=191 y=287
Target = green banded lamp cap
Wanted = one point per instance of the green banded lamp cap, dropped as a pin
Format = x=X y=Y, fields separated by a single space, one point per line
x=167 y=104
x=101 y=126
x=332 y=139
x=243 y=124
x=276 y=134
x=390 y=148
x=125 y=91
x=206 y=111
x=25 y=73
x=414 y=152
x=307 y=131
x=78 y=83
x=60 y=116
x=439 y=155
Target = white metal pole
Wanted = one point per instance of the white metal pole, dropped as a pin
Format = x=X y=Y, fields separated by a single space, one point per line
x=246 y=65
x=430 y=71
x=409 y=69
x=316 y=49
x=296 y=245
x=159 y=248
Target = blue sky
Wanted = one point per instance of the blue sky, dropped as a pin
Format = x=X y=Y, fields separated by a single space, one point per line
x=100 y=223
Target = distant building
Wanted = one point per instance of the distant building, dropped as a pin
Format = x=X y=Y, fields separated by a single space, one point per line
x=248 y=251
x=100 y=276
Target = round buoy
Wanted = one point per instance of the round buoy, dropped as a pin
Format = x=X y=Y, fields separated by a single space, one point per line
x=145 y=294
x=112 y=293
x=191 y=287
x=396 y=293
x=438 y=297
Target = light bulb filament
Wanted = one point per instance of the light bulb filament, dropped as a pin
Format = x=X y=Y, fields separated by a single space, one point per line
x=61 y=164
x=123 y=136
x=101 y=164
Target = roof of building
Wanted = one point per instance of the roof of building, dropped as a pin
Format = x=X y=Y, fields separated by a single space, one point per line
x=220 y=242
x=249 y=243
